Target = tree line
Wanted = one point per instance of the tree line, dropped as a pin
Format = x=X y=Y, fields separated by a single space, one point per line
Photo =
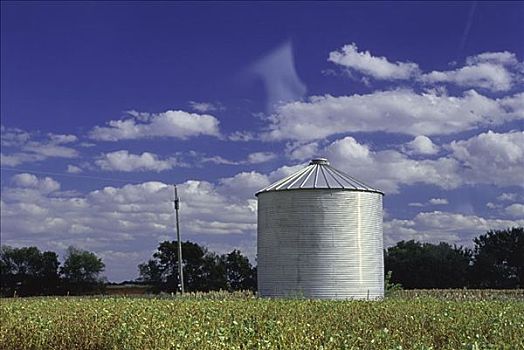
x=27 y=271
x=495 y=261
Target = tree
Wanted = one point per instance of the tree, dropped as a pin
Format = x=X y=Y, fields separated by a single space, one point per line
x=27 y=271
x=240 y=274
x=203 y=270
x=425 y=265
x=82 y=271
x=498 y=260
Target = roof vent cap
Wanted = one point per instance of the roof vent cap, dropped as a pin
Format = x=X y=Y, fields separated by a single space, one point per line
x=322 y=161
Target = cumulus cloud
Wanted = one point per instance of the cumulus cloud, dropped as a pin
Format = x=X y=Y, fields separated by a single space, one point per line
x=495 y=71
x=130 y=218
x=44 y=185
x=243 y=185
x=481 y=75
x=421 y=145
x=515 y=210
x=388 y=170
x=125 y=161
x=25 y=147
x=301 y=151
x=177 y=124
x=487 y=158
x=438 y=226
x=396 y=111
x=495 y=158
x=376 y=67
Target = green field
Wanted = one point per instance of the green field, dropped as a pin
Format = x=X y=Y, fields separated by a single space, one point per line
x=243 y=322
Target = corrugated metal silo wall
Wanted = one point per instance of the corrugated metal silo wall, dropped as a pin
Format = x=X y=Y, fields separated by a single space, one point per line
x=318 y=243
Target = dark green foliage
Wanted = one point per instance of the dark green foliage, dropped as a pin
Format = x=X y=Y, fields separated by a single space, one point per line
x=499 y=259
x=81 y=272
x=390 y=288
x=240 y=274
x=203 y=270
x=27 y=271
x=426 y=265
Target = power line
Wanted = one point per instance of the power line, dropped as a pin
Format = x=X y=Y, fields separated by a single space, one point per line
x=68 y=175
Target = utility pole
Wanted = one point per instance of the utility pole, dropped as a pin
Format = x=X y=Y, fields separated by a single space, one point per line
x=180 y=268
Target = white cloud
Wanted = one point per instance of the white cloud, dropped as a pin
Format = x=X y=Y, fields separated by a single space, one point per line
x=219 y=160
x=491 y=205
x=58 y=138
x=487 y=158
x=495 y=71
x=416 y=204
x=421 y=145
x=243 y=185
x=45 y=185
x=440 y=226
x=494 y=158
x=252 y=158
x=510 y=197
x=301 y=151
x=49 y=150
x=387 y=170
x=242 y=136
x=438 y=201
x=177 y=124
x=125 y=161
x=502 y=58
x=130 y=218
x=516 y=210
x=377 y=67
x=396 y=111
x=204 y=107
x=432 y=201
x=260 y=157
x=19 y=146
x=481 y=75
x=73 y=169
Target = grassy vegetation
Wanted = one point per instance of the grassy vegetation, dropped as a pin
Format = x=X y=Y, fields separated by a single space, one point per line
x=240 y=321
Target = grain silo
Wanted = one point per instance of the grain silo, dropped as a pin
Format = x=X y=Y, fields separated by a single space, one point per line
x=320 y=236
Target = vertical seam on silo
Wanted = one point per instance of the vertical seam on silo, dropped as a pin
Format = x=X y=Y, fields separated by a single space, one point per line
x=359 y=238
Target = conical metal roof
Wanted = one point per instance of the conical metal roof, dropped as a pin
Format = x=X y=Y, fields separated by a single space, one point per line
x=319 y=175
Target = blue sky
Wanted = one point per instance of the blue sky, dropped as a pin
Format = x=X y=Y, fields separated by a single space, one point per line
x=105 y=104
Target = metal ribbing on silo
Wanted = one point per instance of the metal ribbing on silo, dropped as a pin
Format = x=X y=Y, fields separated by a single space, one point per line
x=321 y=243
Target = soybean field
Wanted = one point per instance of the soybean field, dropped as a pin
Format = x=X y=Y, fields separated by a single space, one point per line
x=242 y=321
